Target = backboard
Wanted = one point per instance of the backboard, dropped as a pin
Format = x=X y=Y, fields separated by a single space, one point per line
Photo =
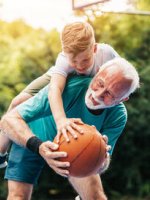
x=109 y=6
x=80 y=4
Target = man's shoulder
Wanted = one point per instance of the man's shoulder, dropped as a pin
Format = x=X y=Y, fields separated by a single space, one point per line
x=78 y=81
x=120 y=108
x=117 y=113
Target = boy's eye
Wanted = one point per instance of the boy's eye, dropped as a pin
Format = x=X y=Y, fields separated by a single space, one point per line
x=85 y=60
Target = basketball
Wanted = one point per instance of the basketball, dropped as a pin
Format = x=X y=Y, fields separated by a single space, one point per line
x=86 y=153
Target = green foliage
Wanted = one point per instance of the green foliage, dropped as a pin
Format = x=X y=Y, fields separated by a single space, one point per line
x=25 y=54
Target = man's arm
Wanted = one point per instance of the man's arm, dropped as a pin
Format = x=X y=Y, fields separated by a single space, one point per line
x=15 y=128
x=18 y=131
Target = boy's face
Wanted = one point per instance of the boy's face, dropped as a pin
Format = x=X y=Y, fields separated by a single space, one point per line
x=83 y=61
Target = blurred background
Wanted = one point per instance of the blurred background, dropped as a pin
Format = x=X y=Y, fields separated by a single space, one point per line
x=29 y=45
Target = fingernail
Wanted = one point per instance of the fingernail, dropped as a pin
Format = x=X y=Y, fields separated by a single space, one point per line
x=55 y=146
x=67 y=164
x=67 y=173
x=109 y=146
x=65 y=176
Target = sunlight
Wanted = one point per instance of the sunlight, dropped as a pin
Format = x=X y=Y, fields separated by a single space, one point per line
x=117 y=5
x=47 y=13
x=37 y=13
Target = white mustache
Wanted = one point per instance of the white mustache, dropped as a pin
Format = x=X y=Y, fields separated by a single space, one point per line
x=94 y=97
x=89 y=103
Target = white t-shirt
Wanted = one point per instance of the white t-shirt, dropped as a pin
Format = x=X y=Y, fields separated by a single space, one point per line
x=103 y=54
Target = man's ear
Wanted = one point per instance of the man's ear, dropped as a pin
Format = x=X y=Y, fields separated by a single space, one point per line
x=125 y=99
x=95 y=47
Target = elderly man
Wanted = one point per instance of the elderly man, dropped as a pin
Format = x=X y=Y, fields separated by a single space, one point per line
x=96 y=102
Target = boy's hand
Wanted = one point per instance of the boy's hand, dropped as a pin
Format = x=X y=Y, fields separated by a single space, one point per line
x=68 y=124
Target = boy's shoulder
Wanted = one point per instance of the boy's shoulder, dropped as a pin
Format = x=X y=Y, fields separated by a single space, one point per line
x=106 y=52
x=104 y=46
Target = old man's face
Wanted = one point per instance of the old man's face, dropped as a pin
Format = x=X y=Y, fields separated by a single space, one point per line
x=107 y=88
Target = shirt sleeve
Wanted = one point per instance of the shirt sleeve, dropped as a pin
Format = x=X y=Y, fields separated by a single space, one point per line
x=61 y=67
x=35 y=107
x=109 y=53
x=114 y=124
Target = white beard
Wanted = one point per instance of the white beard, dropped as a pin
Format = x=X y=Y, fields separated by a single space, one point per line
x=90 y=104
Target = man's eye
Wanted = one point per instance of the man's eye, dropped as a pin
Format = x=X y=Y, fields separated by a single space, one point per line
x=100 y=84
x=107 y=94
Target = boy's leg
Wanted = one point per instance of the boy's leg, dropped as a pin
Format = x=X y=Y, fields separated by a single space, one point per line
x=19 y=190
x=89 y=188
x=35 y=86
x=4 y=145
x=3 y=162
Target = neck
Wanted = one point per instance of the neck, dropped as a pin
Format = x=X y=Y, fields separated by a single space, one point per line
x=95 y=112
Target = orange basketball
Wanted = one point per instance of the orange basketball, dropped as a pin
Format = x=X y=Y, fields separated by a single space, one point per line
x=86 y=153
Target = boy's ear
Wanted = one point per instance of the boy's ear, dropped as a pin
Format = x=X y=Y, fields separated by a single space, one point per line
x=95 y=48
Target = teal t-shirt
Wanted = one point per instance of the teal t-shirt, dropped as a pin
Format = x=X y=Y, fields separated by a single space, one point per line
x=37 y=113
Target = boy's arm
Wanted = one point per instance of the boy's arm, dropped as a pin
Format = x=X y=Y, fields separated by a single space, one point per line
x=63 y=124
x=56 y=88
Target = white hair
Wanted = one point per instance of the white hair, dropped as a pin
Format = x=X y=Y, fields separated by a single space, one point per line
x=128 y=71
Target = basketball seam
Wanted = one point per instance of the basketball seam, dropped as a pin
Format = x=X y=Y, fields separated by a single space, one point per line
x=99 y=152
x=82 y=150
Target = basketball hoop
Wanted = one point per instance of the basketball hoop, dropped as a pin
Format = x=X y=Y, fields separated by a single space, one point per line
x=96 y=6
x=81 y=4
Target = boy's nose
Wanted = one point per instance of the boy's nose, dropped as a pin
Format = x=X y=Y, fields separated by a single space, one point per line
x=79 y=67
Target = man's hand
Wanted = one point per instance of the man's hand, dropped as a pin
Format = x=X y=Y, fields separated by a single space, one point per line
x=70 y=125
x=48 y=151
x=106 y=162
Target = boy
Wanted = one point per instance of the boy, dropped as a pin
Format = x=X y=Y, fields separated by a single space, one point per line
x=80 y=54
